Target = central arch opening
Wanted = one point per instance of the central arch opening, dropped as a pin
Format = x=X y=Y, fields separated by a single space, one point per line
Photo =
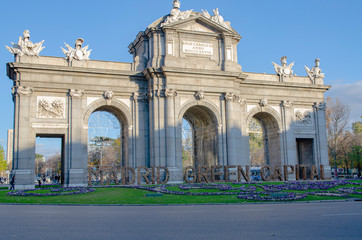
x=199 y=137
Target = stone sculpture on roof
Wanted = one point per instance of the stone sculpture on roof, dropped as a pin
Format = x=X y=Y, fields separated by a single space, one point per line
x=176 y=14
x=216 y=18
x=284 y=70
x=315 y=72
x=25 y=46
x=77 y=53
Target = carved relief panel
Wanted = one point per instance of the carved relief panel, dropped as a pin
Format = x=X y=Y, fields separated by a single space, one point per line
x=303 y=117
x=50 y=107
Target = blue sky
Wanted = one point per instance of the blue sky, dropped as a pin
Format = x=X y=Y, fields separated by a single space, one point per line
x=302 y=30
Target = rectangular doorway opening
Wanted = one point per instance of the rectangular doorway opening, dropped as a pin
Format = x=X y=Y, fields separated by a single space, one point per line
x=305 y=153
x=49 y=159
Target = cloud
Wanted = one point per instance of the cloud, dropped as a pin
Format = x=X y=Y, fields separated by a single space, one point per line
x=47 y=153
x=351 y=94
x=40 y=145
x=48 y=146
x=2 y=141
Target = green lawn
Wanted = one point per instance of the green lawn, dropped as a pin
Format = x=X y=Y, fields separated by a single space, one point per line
x=135 y=196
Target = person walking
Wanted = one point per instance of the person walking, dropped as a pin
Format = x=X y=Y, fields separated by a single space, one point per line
x=12 y=183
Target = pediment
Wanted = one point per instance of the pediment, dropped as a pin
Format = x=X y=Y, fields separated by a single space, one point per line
x=201 y=24
x=198 y=26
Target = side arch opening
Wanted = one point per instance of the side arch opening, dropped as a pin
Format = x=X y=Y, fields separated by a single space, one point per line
x=108 y=142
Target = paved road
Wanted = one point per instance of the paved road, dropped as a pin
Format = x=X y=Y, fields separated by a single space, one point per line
x=292 y=221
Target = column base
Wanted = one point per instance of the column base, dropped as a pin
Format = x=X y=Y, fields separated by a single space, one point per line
x=176 y=175
x=75 y=185
x=327 y=172
x=23 y=187
x=75 y=178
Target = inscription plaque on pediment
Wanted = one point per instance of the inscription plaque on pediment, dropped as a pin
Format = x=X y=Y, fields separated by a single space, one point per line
x=199 y=48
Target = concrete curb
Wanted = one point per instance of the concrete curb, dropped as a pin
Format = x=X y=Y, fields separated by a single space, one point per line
x=174 y=204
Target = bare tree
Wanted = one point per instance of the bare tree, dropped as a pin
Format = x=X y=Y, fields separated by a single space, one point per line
x=356 y=151
x=346 y=144
x=39 y=164
x=54 y=164
x=105 y=151
x=256 y=143
x=337 y=117
x=187 y=144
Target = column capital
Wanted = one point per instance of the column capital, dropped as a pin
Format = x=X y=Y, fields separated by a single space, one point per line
x=230 y=97
x=242 y=101
x=22 y=90
x=141 y=97
x=320 y=106
x=76 y=93
x=156 y=94
x=287 y=104
x=170 y=93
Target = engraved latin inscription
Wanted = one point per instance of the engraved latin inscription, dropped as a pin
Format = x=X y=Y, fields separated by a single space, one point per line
x=198 y=48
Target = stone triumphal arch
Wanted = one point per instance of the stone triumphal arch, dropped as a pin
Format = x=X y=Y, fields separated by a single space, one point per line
x=184 y=68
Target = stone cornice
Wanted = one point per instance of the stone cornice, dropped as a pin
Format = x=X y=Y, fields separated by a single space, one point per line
x=15 y=67
x=69 y=70
x=151 y=73
x=286 y=84
x=191 y=71
x=226 y=32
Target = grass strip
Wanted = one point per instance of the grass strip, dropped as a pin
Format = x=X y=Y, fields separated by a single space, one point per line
x=130 y=196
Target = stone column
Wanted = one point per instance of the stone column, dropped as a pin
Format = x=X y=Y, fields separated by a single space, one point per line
x=76 y=167
x=220 y=141
x=222 y=154
x=157 y=117
x=321 y=130
x=171 y=141
x=24 y=139
x=170 y=127
x=140 y=120
x=233 y=129
x=157 y=132
x=244 y=147
x=289 y=142
x=135 y=119
x=153 y=139
x=128 y=146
